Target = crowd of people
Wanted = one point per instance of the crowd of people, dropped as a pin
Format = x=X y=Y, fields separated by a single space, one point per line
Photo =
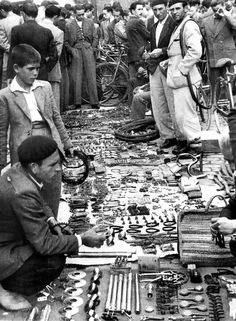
x=47 y=63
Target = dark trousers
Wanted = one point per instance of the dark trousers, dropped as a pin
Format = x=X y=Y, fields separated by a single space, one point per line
x=35 y=274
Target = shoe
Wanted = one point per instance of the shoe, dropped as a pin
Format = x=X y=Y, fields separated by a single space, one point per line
x=168 y=143
x=95 y=106
x=180 y=148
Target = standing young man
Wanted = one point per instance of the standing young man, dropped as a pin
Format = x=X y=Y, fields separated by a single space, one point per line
x=182 y=63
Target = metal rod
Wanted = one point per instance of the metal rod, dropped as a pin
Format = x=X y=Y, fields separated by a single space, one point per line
x=129 y=293
x=114 y=293
x=108 y=302
x=119 y=292
x=137 y=295
x=34 y=312
x=124 y=293
x=45 y=313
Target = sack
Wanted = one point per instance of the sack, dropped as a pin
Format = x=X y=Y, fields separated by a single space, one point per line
x=195 y=239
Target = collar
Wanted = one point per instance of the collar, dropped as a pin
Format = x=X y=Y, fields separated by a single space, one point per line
x=48 y=21
x=14 y=86
x=39 y=185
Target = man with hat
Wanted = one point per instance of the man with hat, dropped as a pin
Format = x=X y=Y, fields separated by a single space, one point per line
x=32 y=245
x=182 y=64
x=161 y=95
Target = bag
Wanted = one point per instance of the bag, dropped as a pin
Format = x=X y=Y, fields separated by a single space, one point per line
x=195 y=239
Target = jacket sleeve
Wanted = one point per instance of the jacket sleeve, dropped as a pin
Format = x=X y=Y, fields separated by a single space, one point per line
x=143 y=30
x=68 y=46
x=230 y=210
x=14 y=42
x=95 y=37
x=57 y=119
x=192 y=43
x=29 y=211
x=4 y=124
x=59 y=43
x=231 y=20
x=52 y=56
x=4 y=44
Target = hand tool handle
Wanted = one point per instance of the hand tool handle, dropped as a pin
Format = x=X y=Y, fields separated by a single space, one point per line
x=108 y=302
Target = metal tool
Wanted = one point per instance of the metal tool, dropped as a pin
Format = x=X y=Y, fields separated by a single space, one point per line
x=151 y=318
x=137 y=295
x=119 y=292
x=129 y=293
x=197 y=298
x=33 y=314
x=114 y=293
x=45 y=313
x=186 y=292
x=124 y=293
x=150 y=290
x=109 y=293
x=186 y=304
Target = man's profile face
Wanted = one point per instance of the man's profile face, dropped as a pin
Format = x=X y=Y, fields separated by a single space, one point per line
x=160 y=11
x=89 y=14
x=229 y=4
x=193 y=10
x=49 y=167
x=177 y=11
x=106 y=14
x=218 y=11
x=79 y=14
x=27 y=74
x=138 y=11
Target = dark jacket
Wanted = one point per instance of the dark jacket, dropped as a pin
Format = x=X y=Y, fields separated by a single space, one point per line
x=41 y=39
x=163 y=42
x=24 y=229
x=137 y=36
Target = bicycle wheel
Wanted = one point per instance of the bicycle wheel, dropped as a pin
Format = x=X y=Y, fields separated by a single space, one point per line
x=112 y=82
x=222 y=104
x=204 y=114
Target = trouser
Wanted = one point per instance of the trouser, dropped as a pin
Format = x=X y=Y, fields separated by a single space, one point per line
x=163 y=106
x=139 y=105
x=186 y=114
x=51 y=192
x=83 y=61
x=36 y=272
x=56 y=92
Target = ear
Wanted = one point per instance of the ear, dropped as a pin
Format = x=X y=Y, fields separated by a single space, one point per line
x=16 y=68
x=34 y=167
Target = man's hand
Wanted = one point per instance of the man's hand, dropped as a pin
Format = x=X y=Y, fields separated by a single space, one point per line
x=156 y=53
x=92 y=239
x=222 y=225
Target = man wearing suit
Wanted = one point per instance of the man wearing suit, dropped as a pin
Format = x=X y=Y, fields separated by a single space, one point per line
x=137 y=36
x=161 y=95
x=30 y=32
x=52 y=12
x=219 y=32
x=182 y=63
x=27 y=107
x=32 y=245
x=80 y=40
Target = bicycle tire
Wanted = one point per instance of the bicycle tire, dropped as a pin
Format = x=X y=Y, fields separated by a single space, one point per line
x=115 y=90
x=128 y=132
x=222 y=104
x=204 y=114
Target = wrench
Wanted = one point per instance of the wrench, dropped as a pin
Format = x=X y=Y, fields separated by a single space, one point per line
x=152 y=318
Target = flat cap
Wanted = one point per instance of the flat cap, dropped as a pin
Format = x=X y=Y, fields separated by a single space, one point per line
x=156 y=2
x=35 y=149
x=172 y=2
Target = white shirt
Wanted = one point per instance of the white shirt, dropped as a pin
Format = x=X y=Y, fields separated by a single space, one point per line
x=159 y=29
x=29 y=97
x=79 y=23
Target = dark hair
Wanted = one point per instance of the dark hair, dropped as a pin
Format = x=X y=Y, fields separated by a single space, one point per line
x=194 y=2
x=206 y=3
x=5 y=5
x=79 y=6
x=68 y=6
x=118 y=8
x=52 y=11
x=216 y=2
x=134 y=5
x=88 y=7
x=16 y=8
x=30 y=9
x=108 y=8
x=24 y=54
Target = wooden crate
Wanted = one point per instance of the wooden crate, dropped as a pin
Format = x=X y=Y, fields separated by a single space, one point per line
x=195 y=240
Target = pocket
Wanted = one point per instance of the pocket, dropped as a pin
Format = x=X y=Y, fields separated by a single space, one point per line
x=178 y=79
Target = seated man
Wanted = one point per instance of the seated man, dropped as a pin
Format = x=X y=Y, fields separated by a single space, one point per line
x=141 y=100
x=32 y=245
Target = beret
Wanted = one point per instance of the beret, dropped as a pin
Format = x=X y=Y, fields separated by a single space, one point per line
x=156 y=2
x=35 y=149
x=172 y=2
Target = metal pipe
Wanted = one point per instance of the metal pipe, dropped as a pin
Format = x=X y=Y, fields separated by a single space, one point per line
x=108 y=302
x=137 y=295
x=114 y=293
x=129 y=293
x=45 y=313
x=33 y=314
x=124 y=293
x=119 y=292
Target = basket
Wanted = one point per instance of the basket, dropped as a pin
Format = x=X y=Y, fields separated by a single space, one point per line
x=195 y=239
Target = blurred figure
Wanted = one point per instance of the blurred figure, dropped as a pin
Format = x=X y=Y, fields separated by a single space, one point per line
x=119 y=29
x=108 y=18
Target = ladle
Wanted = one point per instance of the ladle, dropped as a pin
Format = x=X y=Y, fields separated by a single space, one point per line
x=197 y=298
x=188 y=291
x=189 y=313
x=187 y=304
